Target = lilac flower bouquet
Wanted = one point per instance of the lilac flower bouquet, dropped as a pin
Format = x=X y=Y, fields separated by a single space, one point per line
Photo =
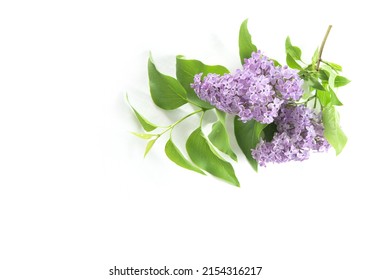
x=281 y=113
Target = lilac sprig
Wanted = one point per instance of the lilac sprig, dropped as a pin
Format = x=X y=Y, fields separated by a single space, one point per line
x=272 y=122
x=255 y=92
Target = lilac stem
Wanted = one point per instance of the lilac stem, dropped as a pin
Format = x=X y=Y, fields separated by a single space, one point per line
x=322 y=47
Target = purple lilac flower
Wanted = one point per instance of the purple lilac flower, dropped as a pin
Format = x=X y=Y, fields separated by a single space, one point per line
x=299 y=130
x=255 y=92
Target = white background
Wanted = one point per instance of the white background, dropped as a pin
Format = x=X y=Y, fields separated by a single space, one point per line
x=76 y=195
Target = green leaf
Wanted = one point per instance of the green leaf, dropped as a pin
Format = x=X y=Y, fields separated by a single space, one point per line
x=276 y=63
x=293 y=53
x=292 y=63
x=341 y=81
x=334 y=66
x=332 y=130
x=307 y=92
x=291 y=50
x=324 y=97
x=144 y=135
x=323 y=75
x=221 y=116
x=332 y=74
x=328 y=98
x=202 y=154
x=186 y=69
x=315 y=57
x=248 y=135
x=314 y=83
x=220 y=138
x=149 y=146
x=331 y=80
x=246 y=46
x=147 y=125
x=334 y=99
x=174 y=154
x=167 y=93
x=269 y=131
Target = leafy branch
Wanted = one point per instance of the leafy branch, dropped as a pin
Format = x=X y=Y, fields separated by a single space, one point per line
x=213 y=153
x=323 y=82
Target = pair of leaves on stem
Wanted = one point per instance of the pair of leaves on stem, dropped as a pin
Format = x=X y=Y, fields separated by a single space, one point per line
x=203 y=155
x=169 y=93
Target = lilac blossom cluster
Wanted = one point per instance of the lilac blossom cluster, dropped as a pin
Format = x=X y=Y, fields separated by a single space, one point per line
x=299 y=130
x=255 y=92
x=266 y=93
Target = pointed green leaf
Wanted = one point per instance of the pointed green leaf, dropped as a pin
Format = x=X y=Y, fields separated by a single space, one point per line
x=293 y=51
x=167 y=93
x=332 y=74
x=341 y=81
x=323 y=75
x=149 y=146
x=307 y=92
x=174 y=154
x=328 y=98
x=147 y=125
x=248 y=135
x=315 y=57
x=292 y=63
x=246 y=46
x=220 y=138
x=331 y=80
x=144 y=135
x=324 y=97
x=334 y=66
x=332 y=130
x=186 y=69
x=202 y=154
x=314 y=83
x=276 y=63
x=334 y=99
